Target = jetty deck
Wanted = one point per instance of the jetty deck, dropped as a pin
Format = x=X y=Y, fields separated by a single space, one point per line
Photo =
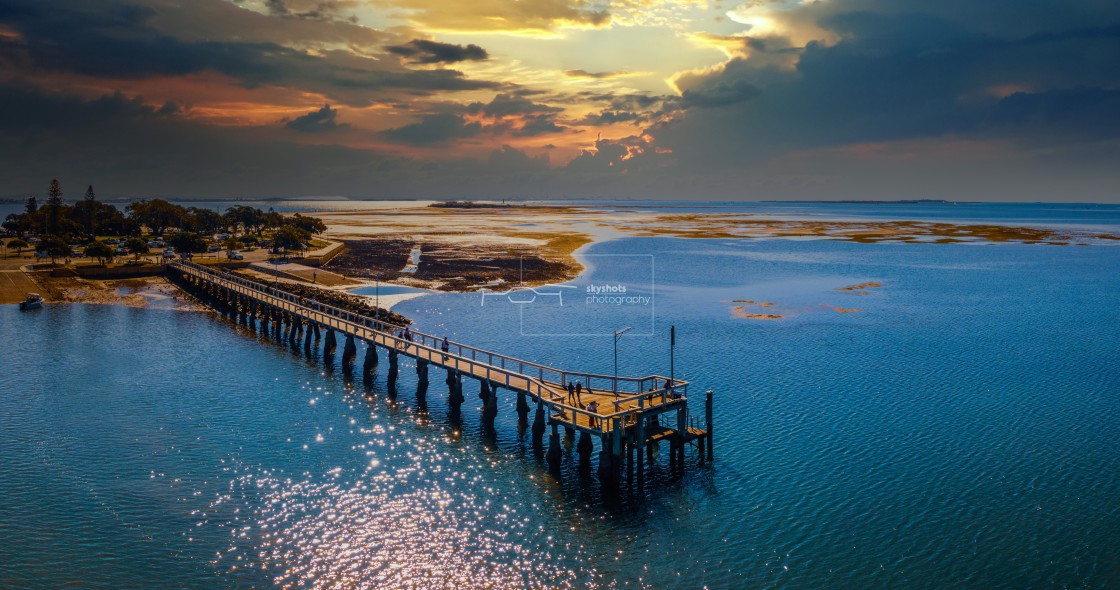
x=631 y=413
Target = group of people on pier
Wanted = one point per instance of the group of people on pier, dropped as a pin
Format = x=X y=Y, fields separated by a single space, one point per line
x=575 y=390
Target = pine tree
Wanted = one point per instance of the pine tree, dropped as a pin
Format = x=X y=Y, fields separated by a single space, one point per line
x=54 y=207
x=90 y=206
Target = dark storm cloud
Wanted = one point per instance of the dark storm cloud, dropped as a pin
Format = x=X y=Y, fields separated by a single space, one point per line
x=592 y=75
x=117 y=42
x=720 y=93
x=423 y=51
x=610 y=117
x=320 y=121
x=505 y=105
x=434 y=129
x=539 y=125
x=128 y=149
x=901 y=76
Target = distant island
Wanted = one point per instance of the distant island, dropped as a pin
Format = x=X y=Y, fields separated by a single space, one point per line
x=473 y=205
x=875 y=202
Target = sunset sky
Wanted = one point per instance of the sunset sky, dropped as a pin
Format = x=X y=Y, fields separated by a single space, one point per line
x=763 y=99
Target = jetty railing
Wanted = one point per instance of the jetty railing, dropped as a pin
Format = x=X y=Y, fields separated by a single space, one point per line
x=538 y=380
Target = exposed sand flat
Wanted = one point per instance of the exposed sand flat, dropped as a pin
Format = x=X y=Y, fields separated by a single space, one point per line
x=467 y=248
x=740 y=311
x=861 y=286
x=136 y=292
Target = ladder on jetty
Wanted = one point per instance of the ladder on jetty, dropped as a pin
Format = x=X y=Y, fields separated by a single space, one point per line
x=632 y=414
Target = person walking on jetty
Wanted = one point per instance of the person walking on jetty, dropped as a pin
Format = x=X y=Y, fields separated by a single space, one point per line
x=445 y=346
x=579 y=389
x=571 y=393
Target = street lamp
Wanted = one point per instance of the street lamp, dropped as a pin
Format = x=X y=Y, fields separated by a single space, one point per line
x=672 y=349
x=618 y=334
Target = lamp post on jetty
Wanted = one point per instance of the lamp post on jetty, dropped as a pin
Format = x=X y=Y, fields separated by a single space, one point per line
x=672 y=349
x=617 y=334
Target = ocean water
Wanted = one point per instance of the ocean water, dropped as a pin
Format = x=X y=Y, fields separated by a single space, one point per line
x=957 y=429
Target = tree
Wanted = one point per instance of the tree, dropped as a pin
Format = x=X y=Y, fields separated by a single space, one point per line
x=312 y=225
x=15 y=223
x=32 y=206
x=53 y=207
x=187 y=242
x=157 y=215
x=88 y=211
x=136 y=247
x=204 y=221
x=234 y=244
x=249 y=219
x=99 y=250
x=19 y=245
x=53 y=246
x=289 y=237
x=273 y=219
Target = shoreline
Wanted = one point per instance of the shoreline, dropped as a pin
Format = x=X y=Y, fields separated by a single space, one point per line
x=471 y=249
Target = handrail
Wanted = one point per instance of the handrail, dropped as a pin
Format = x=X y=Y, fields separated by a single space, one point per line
x=562 y=376
x=534 y=386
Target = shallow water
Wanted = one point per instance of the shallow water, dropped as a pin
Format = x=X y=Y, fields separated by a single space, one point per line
x=957 y=430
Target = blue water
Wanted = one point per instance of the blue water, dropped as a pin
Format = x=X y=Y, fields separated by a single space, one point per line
x=387 y=289
x=958 y=430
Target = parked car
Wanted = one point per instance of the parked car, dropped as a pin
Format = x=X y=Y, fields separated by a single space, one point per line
x=213 y=248
x=235 y=255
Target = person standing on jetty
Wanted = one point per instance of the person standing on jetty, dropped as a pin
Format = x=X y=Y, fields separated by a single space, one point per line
x=571 y=393
x=579 y=389
x=445 y=346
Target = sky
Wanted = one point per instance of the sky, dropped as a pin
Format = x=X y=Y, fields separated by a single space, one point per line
x=992 y=100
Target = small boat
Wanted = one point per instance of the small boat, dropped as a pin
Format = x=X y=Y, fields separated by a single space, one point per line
x=33 y=301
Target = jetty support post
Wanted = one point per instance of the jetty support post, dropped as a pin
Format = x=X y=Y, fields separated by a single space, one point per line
x=370 y=363
x=454 y=395
x=584 y=448
x=538 y=425
x=349 y=352
x=393 y=369
x=522 y=408
x=554 y=452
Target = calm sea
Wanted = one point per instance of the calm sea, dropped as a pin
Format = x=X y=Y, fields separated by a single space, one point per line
x=953 y=427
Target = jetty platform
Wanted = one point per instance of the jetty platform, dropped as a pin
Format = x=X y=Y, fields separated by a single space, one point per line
x=630 y=418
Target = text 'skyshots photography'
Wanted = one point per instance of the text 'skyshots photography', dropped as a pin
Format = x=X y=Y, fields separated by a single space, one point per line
x=400 y=294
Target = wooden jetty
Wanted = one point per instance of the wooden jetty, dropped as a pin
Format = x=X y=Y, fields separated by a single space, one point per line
x=632 y=414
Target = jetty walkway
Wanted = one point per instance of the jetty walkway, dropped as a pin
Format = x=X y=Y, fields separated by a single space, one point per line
x=631 y=415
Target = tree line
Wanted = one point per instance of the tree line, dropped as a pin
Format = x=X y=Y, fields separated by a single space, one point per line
x=57 y=224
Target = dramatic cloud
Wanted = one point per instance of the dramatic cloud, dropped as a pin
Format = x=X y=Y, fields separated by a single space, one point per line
x=433 y=52
x=593 y=75
x=504 y=105
x=951 y=99
x=434 y=129
x=117 y=42
x=503 y=15
x=320 y=121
